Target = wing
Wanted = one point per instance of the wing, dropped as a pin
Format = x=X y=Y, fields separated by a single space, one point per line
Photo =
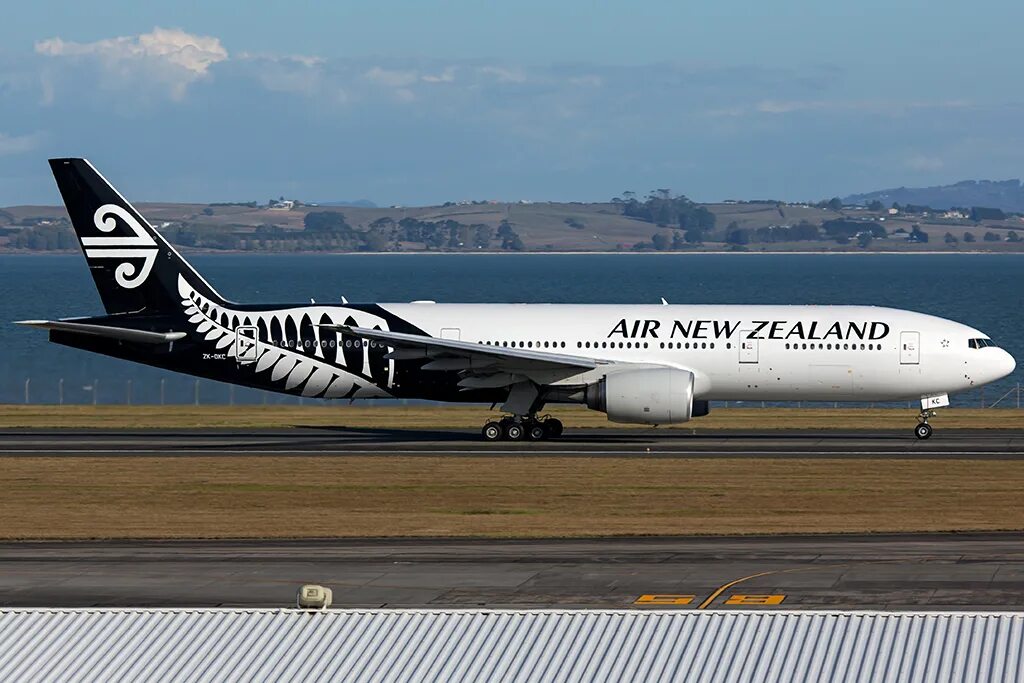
x=482 y=366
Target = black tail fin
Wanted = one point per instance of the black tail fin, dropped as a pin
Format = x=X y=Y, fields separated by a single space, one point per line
x=135 y=269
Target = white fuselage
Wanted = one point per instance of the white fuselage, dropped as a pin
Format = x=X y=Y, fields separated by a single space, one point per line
x=780 y=353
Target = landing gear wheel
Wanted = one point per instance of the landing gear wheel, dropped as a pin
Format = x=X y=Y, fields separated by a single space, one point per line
x=553 y=427
x=923 y=431
x=536 y=431
x=513 y=431
x=491 y=431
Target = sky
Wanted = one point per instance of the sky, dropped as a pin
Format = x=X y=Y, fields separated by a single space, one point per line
x=417 y=102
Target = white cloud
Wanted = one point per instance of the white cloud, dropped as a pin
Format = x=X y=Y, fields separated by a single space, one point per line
x=391 y=77
x=446 y=76
x=19 y=144
x=191 y=52
x=173 y=57
x=503 y=74
x=872 y=106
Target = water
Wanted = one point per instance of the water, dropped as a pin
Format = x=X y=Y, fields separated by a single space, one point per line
x=982 y=290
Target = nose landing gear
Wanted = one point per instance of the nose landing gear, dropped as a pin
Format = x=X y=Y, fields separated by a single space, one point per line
x=923 y=430
x=519 y=427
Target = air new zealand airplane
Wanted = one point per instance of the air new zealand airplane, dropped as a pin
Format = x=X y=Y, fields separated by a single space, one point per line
x=647 y=364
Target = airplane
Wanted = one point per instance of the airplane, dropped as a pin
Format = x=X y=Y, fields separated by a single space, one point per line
x=645 y=364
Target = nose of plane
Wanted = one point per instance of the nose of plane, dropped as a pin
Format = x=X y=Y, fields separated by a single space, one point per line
x=1005 y=364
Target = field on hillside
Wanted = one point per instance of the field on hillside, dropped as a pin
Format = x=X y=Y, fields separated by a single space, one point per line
x=565 y=226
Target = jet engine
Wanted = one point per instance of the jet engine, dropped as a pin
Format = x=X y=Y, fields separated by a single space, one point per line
x=646 y=396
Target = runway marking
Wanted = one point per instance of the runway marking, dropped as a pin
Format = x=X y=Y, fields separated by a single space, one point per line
x=738 y=599
x=721 y=589
x=724 y=587
x=666 y=599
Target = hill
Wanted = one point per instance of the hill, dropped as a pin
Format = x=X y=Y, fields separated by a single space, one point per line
x=656 y=223
x=1007 y=195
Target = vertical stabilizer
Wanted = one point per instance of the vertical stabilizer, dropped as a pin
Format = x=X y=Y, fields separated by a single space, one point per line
x=134 y=267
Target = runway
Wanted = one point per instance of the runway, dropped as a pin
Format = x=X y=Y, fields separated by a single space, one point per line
x=920 y=571
x=665 y=443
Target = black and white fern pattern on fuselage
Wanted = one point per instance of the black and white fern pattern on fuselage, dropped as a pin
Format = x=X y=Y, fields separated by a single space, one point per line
x=294 y=355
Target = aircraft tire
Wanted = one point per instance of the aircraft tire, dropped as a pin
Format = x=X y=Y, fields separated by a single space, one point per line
x=553 y=427
x=491 y=432
x=923 y=431
x=536 y=432
x=513 y=431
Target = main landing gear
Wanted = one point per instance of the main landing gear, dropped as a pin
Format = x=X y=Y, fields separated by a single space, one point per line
x=923 y=430
x=517 y=428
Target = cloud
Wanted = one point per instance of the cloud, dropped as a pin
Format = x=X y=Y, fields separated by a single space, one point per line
x=870 y=106
x=19 y=144
x=391 y=77
x=503 y=74
x=921 y=162
x=172 y=57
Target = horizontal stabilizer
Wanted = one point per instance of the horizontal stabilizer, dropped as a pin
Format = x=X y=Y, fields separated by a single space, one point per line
x=120 y=333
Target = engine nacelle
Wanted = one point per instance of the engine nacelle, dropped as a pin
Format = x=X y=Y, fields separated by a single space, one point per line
x=653 y=396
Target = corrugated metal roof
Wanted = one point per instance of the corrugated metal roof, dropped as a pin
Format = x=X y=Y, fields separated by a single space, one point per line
x=493 y=645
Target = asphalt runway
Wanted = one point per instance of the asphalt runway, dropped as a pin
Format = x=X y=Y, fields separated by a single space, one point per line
x=952 y=443
x=920 y=571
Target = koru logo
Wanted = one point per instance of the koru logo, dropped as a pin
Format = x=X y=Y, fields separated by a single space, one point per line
x=139 y=245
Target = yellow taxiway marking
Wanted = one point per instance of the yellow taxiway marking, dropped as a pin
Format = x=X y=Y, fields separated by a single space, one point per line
x=664 y=599
x=721 y=589
x=726 y=586
x=737 y=599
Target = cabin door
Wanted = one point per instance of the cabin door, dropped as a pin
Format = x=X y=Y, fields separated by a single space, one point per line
x=910 y=348
x=453 y=333
x=247 y=344
x=748 y=348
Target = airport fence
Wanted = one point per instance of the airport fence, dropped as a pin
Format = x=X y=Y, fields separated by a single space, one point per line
x=182 y=390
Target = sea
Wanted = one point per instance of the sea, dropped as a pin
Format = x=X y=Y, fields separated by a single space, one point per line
x=985 y=291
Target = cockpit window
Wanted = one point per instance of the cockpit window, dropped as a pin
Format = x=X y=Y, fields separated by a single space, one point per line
x=980 y=343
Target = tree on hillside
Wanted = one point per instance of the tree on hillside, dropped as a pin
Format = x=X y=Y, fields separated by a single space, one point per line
x=661 y=241
x=326 y=222
x=950 y=238
x=804 y=231
x=737 y=236
x=992 y=237
x=969 y=237
x=482 y=236
x=918 y=235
